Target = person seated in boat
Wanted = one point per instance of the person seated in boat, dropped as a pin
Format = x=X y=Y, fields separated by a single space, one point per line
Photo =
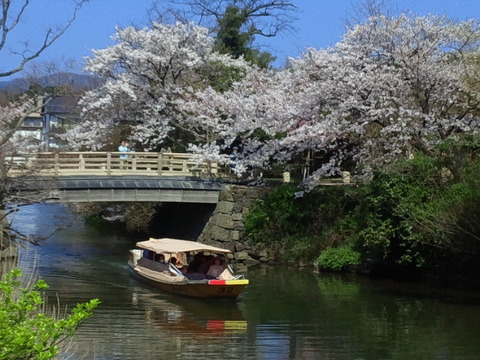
x=193 y=273
x=195 y=263
x=191 y=276
x=160 y=258
x=174 y=261
x=147 y=254
x=205 y=265
x=181 y=259
x=216 y=268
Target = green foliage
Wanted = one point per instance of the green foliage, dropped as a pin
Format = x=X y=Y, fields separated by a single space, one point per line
x=233 y=39
x=230 y=38
x=26 y=331
x=298 y=223
x=265 y=220
x=219 y=76
x=382 y=222
x=342 y=258
x=419 y=214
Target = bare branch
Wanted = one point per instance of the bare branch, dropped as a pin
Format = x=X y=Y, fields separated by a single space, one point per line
x=50 y=37
x=364 y=9
x=268 y=17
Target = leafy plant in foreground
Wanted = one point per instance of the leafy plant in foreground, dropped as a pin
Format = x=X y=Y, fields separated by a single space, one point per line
x=26 y=330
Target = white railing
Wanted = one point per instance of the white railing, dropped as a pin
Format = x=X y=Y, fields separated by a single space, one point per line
x=110 y=164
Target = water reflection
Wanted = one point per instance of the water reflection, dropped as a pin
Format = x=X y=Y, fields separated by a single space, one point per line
x=156 y=326
x=191 y=315
x=334 y=317
x=284 y=313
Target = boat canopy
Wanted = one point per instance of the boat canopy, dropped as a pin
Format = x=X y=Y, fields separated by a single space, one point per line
x=167 y=245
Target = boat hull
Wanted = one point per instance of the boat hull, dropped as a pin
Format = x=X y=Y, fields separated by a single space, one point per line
x=206 y=289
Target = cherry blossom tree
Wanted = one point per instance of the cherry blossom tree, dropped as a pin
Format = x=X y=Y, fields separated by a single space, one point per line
x=260 y=113
x=391 y=87
x=403 y=87
x=148 y=74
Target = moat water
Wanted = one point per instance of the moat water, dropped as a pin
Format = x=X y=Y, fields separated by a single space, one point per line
x=285 y=313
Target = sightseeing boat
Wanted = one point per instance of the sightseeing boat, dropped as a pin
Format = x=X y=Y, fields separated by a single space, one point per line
x=174 y=266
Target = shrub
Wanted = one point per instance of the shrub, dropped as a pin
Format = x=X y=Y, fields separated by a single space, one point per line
x=298 y=223
x=342 y=258
x=276 y=216
x=26 y=331
x=422 y=212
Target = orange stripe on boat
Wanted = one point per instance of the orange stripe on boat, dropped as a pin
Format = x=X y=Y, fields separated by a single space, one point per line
x=217 y=282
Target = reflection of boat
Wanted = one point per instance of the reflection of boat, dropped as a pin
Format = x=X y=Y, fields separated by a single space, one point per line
x=227 y=325
x=169 y=278
x=187 y=315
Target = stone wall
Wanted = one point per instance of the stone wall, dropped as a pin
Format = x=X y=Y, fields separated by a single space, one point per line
x=225 y=227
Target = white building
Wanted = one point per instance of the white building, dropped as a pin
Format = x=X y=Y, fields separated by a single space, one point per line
x=40 y=129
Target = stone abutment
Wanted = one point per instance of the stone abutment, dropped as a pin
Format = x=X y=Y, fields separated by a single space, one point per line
x=226 y=229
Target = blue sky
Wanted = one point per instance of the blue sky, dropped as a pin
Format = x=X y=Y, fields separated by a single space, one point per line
x=320 y=23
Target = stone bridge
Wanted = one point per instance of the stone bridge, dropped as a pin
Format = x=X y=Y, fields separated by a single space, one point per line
x=118 y=177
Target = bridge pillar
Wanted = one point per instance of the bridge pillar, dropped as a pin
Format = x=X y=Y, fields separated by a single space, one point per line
x=56 y=165
x=159 y=164
x=109 y=163
x=81 y=162
x=225 y=227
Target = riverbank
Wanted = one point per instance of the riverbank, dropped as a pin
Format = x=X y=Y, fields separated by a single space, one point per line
x=413 y=220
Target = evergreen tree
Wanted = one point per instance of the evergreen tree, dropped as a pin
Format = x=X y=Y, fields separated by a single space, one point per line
x=235 y=37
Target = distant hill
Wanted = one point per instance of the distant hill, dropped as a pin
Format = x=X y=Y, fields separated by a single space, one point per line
x=76 y=81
